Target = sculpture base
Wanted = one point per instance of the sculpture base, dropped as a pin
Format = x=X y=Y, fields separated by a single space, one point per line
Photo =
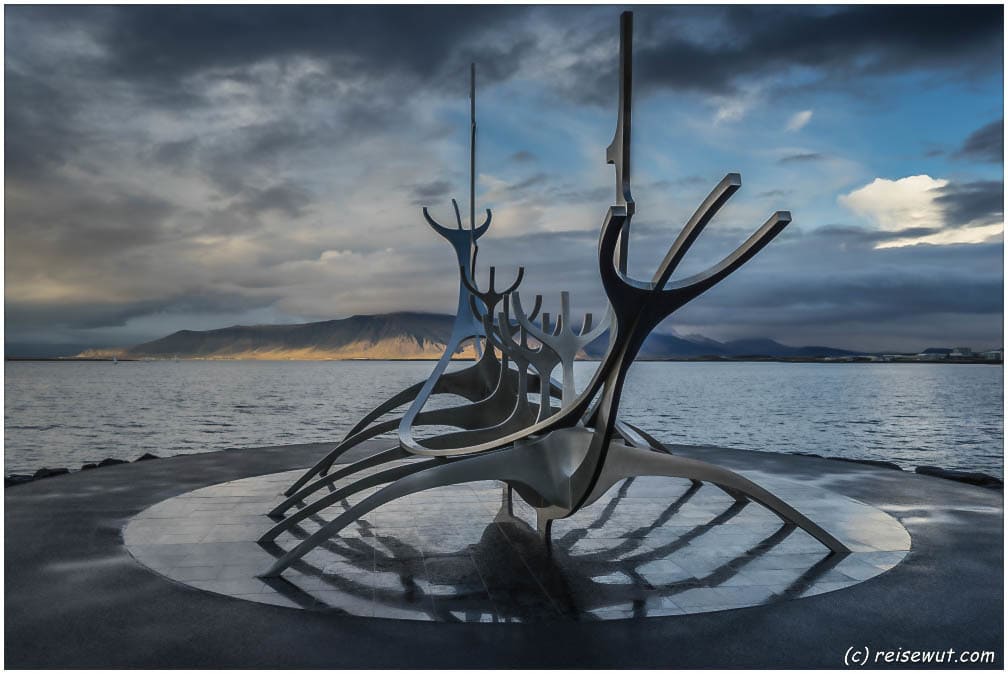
x=648 y=547
x=76 y=598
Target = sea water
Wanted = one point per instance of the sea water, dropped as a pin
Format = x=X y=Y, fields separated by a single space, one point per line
x=69 y=413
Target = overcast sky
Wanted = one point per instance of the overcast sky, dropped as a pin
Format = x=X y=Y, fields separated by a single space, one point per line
x=176 y=168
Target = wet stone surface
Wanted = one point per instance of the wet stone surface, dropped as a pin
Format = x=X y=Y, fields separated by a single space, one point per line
x=649 y=547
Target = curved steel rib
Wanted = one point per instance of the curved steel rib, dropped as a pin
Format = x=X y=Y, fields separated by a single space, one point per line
x=463 y=243
x=543 y=359
x=335 y=497
x=530 y=469
x=478 y=415
x=490 y=299
x=488 y=412
x=624 y=462
x=472 y=383
x=703 y=215
x=520 y=411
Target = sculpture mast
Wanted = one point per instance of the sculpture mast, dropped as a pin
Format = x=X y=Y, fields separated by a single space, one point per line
x=618 y=152
x=472 y=146
x=472 y=180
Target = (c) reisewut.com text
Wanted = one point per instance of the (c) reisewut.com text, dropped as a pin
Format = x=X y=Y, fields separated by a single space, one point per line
x=865 y=656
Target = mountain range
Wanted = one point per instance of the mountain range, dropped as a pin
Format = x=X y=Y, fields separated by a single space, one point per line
x=408 y=336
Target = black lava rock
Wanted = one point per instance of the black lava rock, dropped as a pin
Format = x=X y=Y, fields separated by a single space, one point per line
x=871 y=462
x=979 y=479
x=110 y=462
x=867 y=462
x=89 y=466
x=147 y=457
x=50 y=472
x=15 y=478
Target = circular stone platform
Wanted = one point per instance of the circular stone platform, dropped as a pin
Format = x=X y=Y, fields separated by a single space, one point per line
x=650 y=547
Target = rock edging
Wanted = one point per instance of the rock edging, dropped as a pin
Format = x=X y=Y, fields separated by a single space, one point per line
x=977 y=479
x=42 y=473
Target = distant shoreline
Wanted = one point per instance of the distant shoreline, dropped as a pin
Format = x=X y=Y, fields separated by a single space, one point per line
x=701 y=359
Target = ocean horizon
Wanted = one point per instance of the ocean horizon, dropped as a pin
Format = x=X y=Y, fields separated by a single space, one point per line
x=66 y=414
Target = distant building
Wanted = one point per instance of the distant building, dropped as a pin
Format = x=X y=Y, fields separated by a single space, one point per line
x=934 y=354
x=996 y=355
x=961 y=352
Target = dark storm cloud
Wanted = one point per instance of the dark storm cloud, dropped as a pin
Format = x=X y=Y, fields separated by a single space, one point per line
x=177 y=154
x=162 y=51
x=435 y=190
x=108 y=106
x=980 y=201
x=800 y=290
x=573 y=195
x=167 y=44
x=164 y=59
x=90 y=315
x=849 y=234
x=873 y=296
x=802 y=158
x=286 y=199
x=840 y=44
x=985 y=144
x=79 y=222
x=264 y=142
x=39 y=126
x=522 y=185
x=231 y=159
x=833 y=285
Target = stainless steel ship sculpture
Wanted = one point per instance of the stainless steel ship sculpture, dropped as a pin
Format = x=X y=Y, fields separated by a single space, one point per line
x=557 y=447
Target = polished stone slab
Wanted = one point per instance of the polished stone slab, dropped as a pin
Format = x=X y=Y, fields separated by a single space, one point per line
x=650 y=547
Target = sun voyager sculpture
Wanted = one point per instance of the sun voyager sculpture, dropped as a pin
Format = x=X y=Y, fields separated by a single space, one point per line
x=559 y=448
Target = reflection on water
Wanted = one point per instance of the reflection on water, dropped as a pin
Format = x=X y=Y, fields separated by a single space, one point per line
x=650 y=547
x=65 y=414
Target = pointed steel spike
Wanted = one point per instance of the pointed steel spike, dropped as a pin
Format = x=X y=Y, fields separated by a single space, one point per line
x=565 y=307
x=517 y=281
x=535 y=307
